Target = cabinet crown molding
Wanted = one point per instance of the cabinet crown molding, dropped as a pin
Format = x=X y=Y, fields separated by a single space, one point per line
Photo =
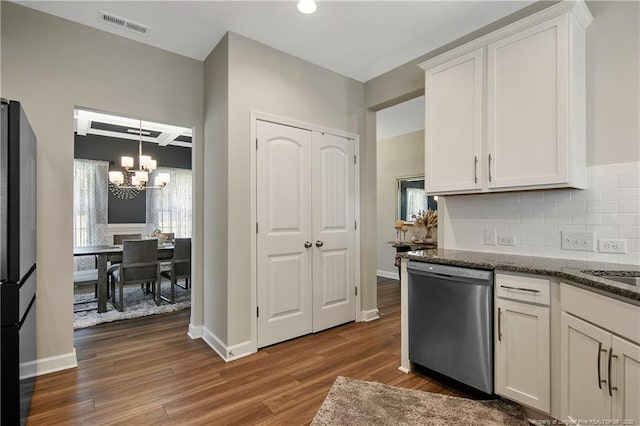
x=577 y=7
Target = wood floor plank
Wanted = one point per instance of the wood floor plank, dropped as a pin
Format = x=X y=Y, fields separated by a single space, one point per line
x=148 y=371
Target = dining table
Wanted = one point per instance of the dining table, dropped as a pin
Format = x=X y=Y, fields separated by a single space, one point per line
x=112 y=253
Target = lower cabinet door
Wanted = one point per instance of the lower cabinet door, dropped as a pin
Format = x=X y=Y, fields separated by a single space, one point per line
x=522 y=353
x=624 y=364
x=583 y=363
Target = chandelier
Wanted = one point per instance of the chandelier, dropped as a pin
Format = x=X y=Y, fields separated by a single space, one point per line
x=128 y=183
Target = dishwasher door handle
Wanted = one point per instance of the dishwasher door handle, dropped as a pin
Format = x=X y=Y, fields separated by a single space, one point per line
x=520 y=289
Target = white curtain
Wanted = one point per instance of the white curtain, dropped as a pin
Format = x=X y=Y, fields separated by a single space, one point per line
x=415 y=202
x=90 y=202
x=169 y=209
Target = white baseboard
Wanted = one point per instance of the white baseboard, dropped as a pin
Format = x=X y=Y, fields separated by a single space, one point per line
x=195 y=331
x=227 y=353
x=370 y=315
x=386 y=274
x=56 y=363
x=404 y=370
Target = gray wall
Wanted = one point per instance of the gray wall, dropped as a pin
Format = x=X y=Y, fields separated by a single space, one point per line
x=96 y=147
x=398 y=156
x=263 y=79
x=52 y=66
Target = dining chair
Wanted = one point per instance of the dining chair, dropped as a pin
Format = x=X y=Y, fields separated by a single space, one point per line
x=117 y=240
x=139 y=266
x=180 y=267
x=82 y=278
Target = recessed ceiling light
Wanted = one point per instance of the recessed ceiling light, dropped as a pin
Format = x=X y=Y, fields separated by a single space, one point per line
x=307 y=6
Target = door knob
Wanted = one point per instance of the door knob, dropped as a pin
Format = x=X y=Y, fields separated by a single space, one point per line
x=307 y=244
x=319 y=243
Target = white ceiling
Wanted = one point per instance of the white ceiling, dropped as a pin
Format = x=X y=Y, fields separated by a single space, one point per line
x=359 y=39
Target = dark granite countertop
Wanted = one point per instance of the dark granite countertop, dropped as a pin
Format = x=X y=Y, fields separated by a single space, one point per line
x=565 y=269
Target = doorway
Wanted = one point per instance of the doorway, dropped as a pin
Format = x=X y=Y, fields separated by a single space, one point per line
x=158 y=207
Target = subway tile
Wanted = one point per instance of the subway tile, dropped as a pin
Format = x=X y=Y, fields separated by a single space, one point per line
x=519 y=208
x=558 y=196
x=619 y=194
x=572 y=207
x=531 y=239
x=532 y=218
x=603 y=231
x=520 y=250
x=628 y=181
x=602 y=206
x=586 y=219
x=602 y=257
x=544 y=251
x=621 y=219
x=532 y=197
x=629 y=231
x=552 y=240
x=575 y=255
x=544 y=229
x=520 y=228
x=600 y=182
x=586 y=195
x=572 y=228
x=544 y=208
x=557 y=219
x=629 y=206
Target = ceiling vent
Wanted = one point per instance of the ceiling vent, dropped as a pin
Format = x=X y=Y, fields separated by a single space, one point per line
x=128 y=24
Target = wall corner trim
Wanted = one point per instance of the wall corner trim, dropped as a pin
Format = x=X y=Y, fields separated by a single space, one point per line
x=370 y=315
x=227 y=353
x=56 y=363
x=195 y=331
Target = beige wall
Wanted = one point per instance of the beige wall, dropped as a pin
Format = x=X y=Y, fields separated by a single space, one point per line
x=399 y=156
x=613 y=82
x=52 y=65
x=263 y=79
x=216 y=211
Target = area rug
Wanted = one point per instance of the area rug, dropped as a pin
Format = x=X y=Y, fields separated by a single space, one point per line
x=355 y=402
x=136 y=304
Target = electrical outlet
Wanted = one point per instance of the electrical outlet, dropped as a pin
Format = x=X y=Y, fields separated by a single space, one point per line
x=490 y=237
x=579 y=241
x=612 y=245
x=507 y=240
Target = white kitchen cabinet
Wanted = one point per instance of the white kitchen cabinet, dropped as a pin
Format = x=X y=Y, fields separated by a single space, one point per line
x=453 y=127
x=600 y=364
x=522 y=341
x=518 y=121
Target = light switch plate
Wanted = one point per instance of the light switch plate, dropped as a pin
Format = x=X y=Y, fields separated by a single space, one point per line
x=579 y=241
x=490 y=237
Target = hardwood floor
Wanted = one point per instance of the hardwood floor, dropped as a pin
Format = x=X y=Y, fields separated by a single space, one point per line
x=148 y=371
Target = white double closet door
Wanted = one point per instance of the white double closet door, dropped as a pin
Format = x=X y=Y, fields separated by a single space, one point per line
x=306 y=237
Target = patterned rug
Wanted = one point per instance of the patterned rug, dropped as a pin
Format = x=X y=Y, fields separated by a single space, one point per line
x=355 y=402
x=136 y=304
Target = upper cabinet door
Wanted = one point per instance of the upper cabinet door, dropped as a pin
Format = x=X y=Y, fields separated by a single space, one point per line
x=453 y=125
x=528 y=107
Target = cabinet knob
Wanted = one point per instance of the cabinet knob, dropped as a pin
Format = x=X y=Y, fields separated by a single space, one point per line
x=319 y=243
x=307 y=244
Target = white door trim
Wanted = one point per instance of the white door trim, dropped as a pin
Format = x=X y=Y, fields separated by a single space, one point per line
x=254 y=117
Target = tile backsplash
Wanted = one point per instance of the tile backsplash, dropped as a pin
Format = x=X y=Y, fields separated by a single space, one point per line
x=610 y=207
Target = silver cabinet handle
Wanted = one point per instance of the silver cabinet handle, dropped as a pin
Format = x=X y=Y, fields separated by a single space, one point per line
x=499 y=325
x=490 y=168
x=600 y=350
x=475 y=169
x=307 y=244
x=520 y=288
x=611 y=388
x=319 y=243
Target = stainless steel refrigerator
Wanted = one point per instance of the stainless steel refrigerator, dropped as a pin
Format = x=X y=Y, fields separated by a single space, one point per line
x=18 y=264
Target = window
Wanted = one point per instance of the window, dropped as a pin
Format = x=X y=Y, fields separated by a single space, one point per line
x=169 y=209
x=90 y=201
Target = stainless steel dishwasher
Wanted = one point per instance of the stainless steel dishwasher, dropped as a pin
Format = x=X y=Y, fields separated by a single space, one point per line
x=451 y=322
